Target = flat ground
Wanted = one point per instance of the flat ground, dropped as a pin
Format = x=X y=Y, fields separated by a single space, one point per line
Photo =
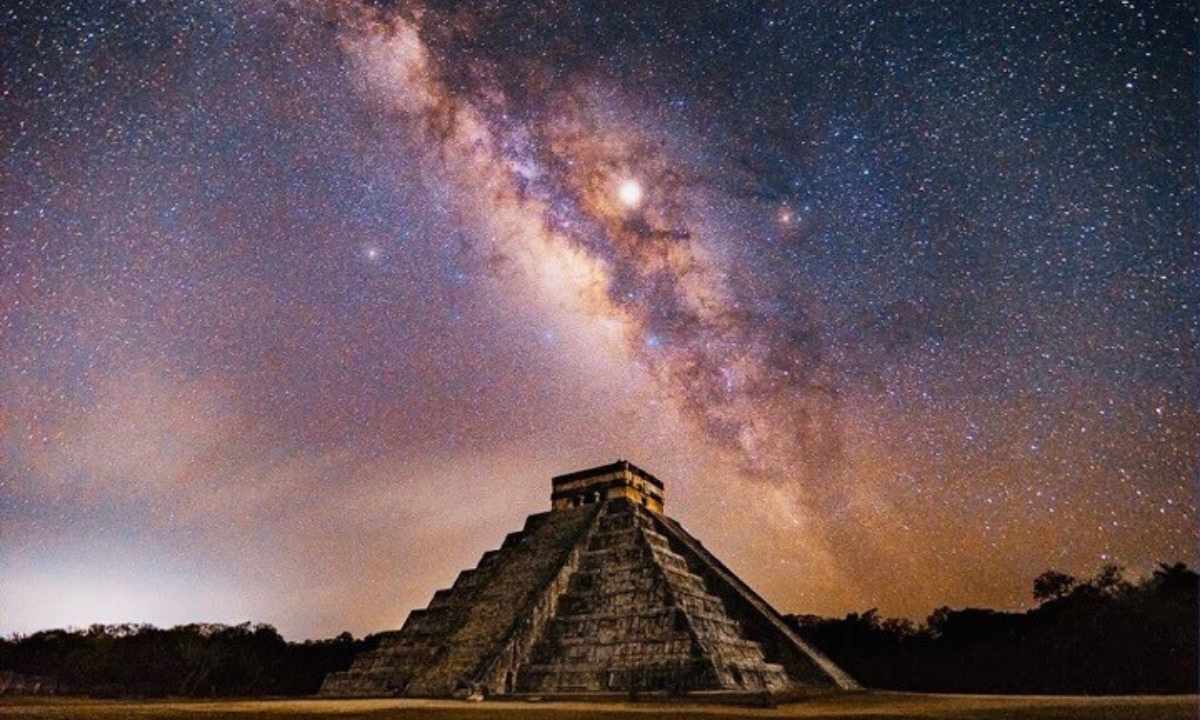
x=859 y=705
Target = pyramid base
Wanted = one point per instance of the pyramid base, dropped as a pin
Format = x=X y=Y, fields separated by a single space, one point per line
x=697 y=697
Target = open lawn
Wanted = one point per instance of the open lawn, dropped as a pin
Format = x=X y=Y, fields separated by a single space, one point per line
x=858 y=705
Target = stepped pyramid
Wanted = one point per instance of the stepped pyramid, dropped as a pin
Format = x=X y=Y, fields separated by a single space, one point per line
x=602 y=595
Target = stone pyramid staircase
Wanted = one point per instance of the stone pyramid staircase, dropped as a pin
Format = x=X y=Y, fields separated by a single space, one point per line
x=635 y=618
x=442 y=649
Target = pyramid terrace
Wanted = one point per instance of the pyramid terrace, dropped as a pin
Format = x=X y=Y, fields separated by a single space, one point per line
x=602 y=596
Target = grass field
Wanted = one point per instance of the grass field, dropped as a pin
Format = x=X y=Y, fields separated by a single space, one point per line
x=860 y=705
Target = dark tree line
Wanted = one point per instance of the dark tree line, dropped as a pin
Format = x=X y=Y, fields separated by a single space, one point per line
x=1102 y=635
x=187 y=660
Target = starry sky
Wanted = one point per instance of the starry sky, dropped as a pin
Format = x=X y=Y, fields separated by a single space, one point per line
x=303 y=303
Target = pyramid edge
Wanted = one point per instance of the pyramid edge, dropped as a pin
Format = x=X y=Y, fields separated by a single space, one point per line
x=725 y=579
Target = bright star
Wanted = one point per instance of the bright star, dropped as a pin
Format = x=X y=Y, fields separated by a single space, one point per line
x=630 y=193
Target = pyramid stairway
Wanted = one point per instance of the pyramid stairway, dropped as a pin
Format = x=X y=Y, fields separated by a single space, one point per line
x=635 y=618
x=441 y=648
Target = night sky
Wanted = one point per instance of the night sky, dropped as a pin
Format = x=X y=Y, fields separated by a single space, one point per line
x=302 y=304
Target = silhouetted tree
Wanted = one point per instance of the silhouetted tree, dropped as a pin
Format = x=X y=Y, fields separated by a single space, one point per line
x=1052 y=585
x=187 y=660
x=1102 y=635
x=1111 y=580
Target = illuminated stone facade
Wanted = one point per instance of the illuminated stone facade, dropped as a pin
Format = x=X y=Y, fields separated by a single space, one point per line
x=602 y=596
x=622 y=479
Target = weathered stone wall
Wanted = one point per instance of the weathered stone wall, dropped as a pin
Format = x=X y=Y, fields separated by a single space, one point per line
x=440 y=649
x=806 y=666
x=620 y=480
x=499 y=674
x=635 y=619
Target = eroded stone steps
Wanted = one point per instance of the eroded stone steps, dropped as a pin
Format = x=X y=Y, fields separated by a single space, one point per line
x=634 y=613
x=590 y=652
x=421 y=646
x=646 y=641
x=625 y=556
x=635 y=577
x=680 y=672
x=525 y=562
x=588 y=624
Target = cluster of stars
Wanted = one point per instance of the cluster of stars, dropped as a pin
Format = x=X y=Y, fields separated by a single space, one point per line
x=249 y=309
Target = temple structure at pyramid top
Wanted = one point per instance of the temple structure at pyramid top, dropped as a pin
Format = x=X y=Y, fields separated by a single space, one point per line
x=621 y=479
x=602 y=596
